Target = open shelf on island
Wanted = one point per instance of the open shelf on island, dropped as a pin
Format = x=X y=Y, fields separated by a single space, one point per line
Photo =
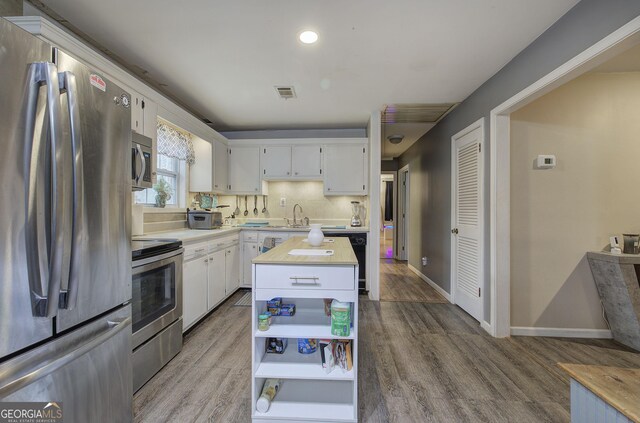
x=306 y=323
x=293 y=365
x=328 y=401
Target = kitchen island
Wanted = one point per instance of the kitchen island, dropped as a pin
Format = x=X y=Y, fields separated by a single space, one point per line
x=309 y=391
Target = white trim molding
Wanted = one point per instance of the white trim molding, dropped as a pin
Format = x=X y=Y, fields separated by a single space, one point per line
x=434 y=285
x=373 y=243
x=561 y=332
x=499 y=166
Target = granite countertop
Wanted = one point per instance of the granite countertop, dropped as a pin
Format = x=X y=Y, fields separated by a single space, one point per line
x=618 y=387
x=343 y=253
x=193 y=235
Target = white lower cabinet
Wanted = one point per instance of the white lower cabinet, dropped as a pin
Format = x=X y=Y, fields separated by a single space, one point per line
x=211 y=273
x=232 y=269
x=249 y=251
x=216 y=279
x=194 y=290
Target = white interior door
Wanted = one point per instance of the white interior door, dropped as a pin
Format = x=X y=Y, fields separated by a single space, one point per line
x=467 y=219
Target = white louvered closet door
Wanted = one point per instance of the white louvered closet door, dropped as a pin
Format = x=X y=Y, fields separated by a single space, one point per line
x=467 y=231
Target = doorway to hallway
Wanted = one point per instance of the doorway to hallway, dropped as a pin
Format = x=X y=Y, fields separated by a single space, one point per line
x=388 y=215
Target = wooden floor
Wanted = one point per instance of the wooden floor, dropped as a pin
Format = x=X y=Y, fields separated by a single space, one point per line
x=419 y=362
x=398 y=283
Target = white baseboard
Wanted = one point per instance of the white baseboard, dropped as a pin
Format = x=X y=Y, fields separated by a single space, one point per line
x=561 y=332
x=434 y=285
x=487 y=327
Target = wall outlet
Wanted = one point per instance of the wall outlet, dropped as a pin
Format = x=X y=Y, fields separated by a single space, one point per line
x=425 y=261
x=283 y=202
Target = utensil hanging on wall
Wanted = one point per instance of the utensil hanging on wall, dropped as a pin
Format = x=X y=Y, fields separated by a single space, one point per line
x=255 y=205
x=246 y=206
x=264 y=204
x=236 y=212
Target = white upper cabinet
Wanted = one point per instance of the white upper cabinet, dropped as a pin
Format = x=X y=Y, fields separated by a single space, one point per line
x=200 y=172
x=220 y=167
x=144 y=118
x=346 y=169
x=306 y=161
x=276 y=162
x=244 y=170
x=291 y=162
x=209 y=172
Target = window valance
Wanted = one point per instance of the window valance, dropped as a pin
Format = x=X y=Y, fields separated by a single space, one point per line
x=175 y=143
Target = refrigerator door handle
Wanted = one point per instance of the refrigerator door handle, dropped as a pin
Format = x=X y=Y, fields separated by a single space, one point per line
x=69 y=297
x=44 y=291
x=21 y=376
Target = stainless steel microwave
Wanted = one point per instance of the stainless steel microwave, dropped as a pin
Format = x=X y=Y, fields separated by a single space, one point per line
x=141 y=150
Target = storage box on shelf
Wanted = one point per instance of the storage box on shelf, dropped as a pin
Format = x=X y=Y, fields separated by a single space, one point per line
x=308 y=391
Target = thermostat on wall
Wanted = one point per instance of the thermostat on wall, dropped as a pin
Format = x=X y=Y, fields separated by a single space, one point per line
x=546 y=161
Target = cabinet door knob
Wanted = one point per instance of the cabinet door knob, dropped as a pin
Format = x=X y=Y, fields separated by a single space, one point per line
x=296 y=173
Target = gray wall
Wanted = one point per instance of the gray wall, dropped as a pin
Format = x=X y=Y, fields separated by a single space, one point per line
x=430 y=158
x=389 y=165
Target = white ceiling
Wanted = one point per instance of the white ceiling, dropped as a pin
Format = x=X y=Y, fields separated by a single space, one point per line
x=223 y=58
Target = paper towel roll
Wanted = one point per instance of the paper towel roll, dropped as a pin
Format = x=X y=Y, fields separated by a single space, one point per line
x=137 y=219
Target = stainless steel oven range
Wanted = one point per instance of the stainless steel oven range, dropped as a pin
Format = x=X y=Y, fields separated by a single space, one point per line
x=156 y=306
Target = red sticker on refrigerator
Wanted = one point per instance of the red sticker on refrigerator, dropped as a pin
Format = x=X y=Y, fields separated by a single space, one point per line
x=98 y=82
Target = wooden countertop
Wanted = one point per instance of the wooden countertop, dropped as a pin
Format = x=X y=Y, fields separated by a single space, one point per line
x=343 y=253
x=619 y=387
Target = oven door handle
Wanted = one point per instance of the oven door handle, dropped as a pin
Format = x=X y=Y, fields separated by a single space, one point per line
x=155 y=259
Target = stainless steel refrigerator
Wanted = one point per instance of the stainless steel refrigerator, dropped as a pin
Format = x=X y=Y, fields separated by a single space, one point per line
x=65 y=255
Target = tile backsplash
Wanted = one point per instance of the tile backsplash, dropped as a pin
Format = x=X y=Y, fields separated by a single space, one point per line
x=309 y=194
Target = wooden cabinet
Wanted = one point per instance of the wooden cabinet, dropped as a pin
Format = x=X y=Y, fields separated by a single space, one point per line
x=276 y=162
x=144 y=120
x=209 y=172
x=291 y=162
x=244 y=170
x=346 y=169
x=306 y=161
x=216 y=279
x=232 y=269
x=194 y=290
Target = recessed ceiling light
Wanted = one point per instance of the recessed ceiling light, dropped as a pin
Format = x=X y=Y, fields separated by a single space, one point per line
x=308 y=37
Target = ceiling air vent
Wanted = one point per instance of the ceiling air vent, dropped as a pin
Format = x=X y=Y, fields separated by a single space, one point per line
x=286 y=92
x=416 y=113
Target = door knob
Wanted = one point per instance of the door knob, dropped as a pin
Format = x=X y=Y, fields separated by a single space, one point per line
x=454 y=231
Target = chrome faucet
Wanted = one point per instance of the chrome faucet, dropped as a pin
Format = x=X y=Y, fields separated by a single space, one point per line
x=295 y=221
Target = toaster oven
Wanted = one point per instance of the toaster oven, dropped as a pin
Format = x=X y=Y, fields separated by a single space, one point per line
x=204 y=219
